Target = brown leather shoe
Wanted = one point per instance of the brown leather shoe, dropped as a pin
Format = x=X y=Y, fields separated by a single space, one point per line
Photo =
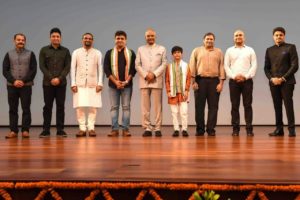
x=25 y=134
x=92 y=133
x=126 y=133
x=81 y=134
x=11 y=135
x=113 y=133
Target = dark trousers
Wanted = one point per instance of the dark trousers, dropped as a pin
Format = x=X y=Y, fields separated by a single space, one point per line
x=244 y=89
x=206 y=93
x=24 y=94
x=59 y=94
x=283 y=92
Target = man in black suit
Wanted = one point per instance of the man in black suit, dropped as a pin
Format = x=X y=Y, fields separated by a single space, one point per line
x=281 y=63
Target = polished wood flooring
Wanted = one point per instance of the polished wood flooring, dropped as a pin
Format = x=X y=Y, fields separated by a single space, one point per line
x=220 y=159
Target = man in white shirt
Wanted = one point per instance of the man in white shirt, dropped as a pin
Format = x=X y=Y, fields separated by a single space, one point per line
x=240 y=65
x=86 y=84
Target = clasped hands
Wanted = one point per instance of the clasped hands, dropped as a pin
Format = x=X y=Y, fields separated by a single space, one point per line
x=120 y=84
x=18 y=83
x=240 y=78
x=150 y=77
x=277 y=81
x=55 y=81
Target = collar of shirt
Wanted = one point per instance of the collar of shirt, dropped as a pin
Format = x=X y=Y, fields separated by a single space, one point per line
x=240 y=46
x=281 y=44
x=212 y=49
x=151 y=46
x=87 y=50
x=20 y=50
x=51 y=47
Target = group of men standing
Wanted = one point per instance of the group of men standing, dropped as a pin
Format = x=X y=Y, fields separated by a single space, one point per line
x=206 y=72
x=240 y=65
x=20 y=66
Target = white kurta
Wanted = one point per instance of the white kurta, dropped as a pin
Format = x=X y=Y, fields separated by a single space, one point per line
x=86 y=74
x=87 y=97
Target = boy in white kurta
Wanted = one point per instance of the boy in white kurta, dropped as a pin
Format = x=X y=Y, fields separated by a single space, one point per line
x=86 y=84
x=178 y=79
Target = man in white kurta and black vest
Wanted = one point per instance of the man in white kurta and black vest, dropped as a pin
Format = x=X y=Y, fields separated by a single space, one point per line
x=19 y=69
x=86 y=84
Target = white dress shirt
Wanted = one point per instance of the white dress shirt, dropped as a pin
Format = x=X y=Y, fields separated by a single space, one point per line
x=240 y=61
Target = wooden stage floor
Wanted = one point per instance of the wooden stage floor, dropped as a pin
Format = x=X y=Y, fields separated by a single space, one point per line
x=220 y=159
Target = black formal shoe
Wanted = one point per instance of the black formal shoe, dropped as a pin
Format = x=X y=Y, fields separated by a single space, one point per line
x=61 y=133
x=250 y=134
x=176 y=133
x=147 y=134
x=211 y=134
x=292 y=134
x=158 y=134
x=199 y=134
x=184 y=133
x=235 y=133
x=277 y=132
x=45 y=134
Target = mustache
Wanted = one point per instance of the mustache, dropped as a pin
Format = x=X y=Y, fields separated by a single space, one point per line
x=20 y=43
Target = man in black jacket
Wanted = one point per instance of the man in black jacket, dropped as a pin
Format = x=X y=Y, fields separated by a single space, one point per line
x=119 y=67
x=19 y=69
x=281 y=63
x=55 y=63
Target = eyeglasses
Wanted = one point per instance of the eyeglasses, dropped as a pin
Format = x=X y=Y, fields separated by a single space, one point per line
x=85 y=38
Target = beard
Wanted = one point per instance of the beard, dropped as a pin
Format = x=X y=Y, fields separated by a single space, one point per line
x=120 y=45
x=150 y=42
x=209 y=44
x=20 y=46
x=88 y=44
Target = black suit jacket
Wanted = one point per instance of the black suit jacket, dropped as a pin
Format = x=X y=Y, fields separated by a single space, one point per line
x=282 y=61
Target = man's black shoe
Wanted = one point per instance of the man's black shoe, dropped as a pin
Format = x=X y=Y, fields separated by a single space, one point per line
x=61 y=133
x=250 y=134
x=277 y=132
x=292 y=133
x=211 y=134
x=147 y=134
x=199 y=134
x=235 y=133
x=176 y=133
x=184 y=133
x=45 y=134
x=158 y=134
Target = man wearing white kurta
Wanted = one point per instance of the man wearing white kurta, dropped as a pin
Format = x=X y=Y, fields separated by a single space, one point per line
x=86 y=84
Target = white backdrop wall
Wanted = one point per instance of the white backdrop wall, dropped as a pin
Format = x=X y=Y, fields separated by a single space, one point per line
x=176 y=22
